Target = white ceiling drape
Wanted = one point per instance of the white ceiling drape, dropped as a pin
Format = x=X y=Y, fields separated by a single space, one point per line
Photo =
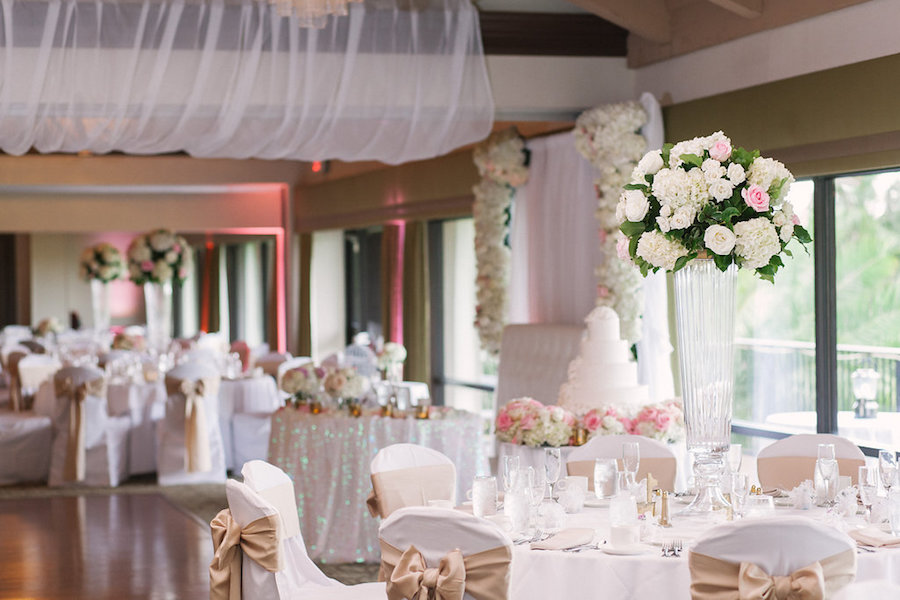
x=224 y=79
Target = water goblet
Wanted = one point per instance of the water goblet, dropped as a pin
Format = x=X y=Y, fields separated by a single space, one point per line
x=740 y=486
x=631 y=460
x=605 y=478
x=826 y=480
x=552 y=466
x=538 y=483
x=735 y=457
x=868 y=488
x=510 y=466
x=887 y=468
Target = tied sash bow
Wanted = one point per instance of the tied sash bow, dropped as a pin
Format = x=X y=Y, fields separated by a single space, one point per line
x=412 y=579
x=807 y=583
x=196 y=434
x=74 y=466
x=258 y=540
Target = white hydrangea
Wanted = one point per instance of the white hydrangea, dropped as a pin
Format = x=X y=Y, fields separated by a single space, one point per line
x=161 y=240
x=659 y=251
x=677 y=188
x=694 y=146
x=712 y=170
x=756 y=242
x=766 y=171
x=683 y=218
x=786 y=232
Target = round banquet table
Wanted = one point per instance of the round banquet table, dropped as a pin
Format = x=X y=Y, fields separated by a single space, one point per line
x=328 y=458
x=883 y=431
x=596 y=575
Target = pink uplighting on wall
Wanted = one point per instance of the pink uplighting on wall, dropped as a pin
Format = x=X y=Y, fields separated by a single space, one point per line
x=396 y=283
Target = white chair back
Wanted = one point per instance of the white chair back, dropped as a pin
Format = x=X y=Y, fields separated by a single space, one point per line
x=14 y=333
x=410 y=475
x=361 y=358
x=791 y=460
x=656 y=458
x=778 y=546
x=534 y=361
x=269 y=362
x=436 y=532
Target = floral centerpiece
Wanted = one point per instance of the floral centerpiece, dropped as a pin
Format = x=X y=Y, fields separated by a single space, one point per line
x=302 y=382
x=390 y=360
x=124 y=341
x=45 y=327
x=527 y=421
x=159 y=257
x=662 y=421
x=102 y=262
x=345 y=383
x=605 y=421
x=705 y=197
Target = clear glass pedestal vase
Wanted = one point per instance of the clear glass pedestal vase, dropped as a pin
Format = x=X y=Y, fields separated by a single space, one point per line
x=158 y=305
x=704 y=309
x=100 y=305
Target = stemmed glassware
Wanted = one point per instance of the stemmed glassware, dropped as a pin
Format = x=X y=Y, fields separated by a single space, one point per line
x=740 y=486
x=735 y=457
x=631 y=461
x=868 y=488
x=827 y=472
x=509 y=467
x=887 y=468
x=552 y=466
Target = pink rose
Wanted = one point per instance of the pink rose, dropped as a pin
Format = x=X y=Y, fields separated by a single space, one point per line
x=147 y=265
x=592 y=421
x=602 y=291
x=182 y=273
x=177 y=248
x=756 y=198
x=504 y=421
x=601 y=233
x=795 y=219
x=662 y=421
x=622 y=249
x=720 y=151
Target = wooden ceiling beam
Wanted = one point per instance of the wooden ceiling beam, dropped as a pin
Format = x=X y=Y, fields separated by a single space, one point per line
x=748 y=9
x=648 y=19
x=551 y=34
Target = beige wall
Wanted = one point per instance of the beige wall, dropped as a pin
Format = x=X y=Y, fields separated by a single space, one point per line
x=328 y=298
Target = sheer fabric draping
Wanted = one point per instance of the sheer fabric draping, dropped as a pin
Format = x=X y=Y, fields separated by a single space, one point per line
x=232 y=79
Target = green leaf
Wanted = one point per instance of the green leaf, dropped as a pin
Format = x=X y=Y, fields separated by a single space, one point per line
x=722 y=261
x=635 y=186
x=768 y=277
x=632 y=229
x=692 y=159
x=632 y=246
x=774 y=190
x=788 y=252
x=645 y=268
x=728 y=214
x=776 y=261
x=666 y=150
x=683 y=260
x=802 y=234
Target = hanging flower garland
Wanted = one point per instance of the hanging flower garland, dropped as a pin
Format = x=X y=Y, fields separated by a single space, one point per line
x=502 y=162
x=609 y=137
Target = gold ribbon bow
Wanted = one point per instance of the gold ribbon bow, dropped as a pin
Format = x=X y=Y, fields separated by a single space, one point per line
x=196 y=435
x=74 y=467
x=807 y=583
x=15 y=381
x=412 y=579
x=258 y=540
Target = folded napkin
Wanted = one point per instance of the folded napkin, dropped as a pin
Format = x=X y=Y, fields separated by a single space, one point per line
x=874 y=536
x=565 y=539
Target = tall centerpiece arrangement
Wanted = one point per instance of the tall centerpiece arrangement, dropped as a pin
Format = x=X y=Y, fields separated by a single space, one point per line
x=99 y=265
x=390 y=361
x=702 y=209
x=155 y=260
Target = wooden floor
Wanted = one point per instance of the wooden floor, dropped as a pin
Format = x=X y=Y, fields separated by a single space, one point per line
x=96 y=547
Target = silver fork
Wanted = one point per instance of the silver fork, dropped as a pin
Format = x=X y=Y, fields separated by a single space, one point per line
x=667 y=550
x=676 y=547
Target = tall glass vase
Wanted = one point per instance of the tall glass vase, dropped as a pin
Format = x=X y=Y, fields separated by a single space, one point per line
x=704 y=307
x=158 y=304
x=100 y=305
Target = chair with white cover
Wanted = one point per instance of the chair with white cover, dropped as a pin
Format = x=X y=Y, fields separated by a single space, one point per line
x=11 y=366
x=189 y=441
x=256 y=553
x=25 y=441
x=35 y=369
x=269 y=362
x=789 y=461
x=90 y=447
x=409 y=475
x=429 y=552
x=534 y=360
x=770 y=558
x=656 y=458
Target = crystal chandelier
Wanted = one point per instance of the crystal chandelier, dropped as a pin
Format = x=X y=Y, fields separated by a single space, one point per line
x=311 y=13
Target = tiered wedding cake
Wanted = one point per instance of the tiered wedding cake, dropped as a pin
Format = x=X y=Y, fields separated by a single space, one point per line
x=603 y=373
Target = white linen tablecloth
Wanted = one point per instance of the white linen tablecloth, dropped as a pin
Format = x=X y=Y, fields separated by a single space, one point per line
x=328 y=458
x=595 y=575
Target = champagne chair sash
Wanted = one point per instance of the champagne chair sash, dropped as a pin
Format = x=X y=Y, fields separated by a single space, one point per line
x=483 y=575
x=74 y=466
x=786 y=472
x=258 y=540
x=662 y=468
x=196 y=433
x=715 y=579
x=413 y=486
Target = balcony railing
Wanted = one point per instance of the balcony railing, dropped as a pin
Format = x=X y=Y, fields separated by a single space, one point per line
x=780 y=376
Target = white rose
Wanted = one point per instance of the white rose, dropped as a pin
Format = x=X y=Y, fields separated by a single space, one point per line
x=682 y=218
x=779 y=219
x=171 y=257
x=651 y=162
x=721 y=189
x=140 y=253
x=665 y=211
x=663 y=224
x=736 y=174
x=162 y=272
x=719 y=239
x=787 y=232
x=636 y=205
x=620 y=211
x=161 y=240
x=107 y=273
x=110 y=254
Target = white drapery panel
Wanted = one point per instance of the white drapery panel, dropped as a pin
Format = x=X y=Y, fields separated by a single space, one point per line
x=554 y=236
x=224 y=79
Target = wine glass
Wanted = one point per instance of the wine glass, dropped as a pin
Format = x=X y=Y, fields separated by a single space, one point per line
x=827 y=472
x=552 y=466
x=887 y=467
x=510 y=466
x=538 y=484
x=868 y=488
x=631 y=460
x=740 y=485
x=735 y=457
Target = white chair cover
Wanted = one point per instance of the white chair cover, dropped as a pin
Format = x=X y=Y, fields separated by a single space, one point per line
x=145 y=404
x=211 y=357
x=105 y=438
x=172 y=451
x=403 y=458
x=779 y=546
x=534 y=361
x=791 y=460
x=435 y=532
x=34 y=369
x=656 y=458
x=25 y=442
x=269 y=362
x=13 y=333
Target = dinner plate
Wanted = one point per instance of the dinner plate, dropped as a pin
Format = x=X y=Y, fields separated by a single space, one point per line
x=594 y=502
x=624 y=550
x=687 y=499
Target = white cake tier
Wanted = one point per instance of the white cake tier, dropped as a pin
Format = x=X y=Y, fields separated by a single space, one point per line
x=605 y=353
x=610 y=376
x=580 y=400
x=603 y=324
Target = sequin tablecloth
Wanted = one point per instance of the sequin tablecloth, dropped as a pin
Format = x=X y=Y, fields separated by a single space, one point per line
x=328 y=458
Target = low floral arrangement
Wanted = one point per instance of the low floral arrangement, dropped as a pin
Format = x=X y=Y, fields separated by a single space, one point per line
x=345 y=383
x=662 y=421
x=159 y=257
x=703 y=197
x=102 y=262
x=123 y=341
x=391 y=354
x=527 y=421
x=47 y=326
x=303 y=382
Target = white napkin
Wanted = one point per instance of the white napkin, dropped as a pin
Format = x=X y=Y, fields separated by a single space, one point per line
x=874 y=536
x=803 y=496
x=567 y=538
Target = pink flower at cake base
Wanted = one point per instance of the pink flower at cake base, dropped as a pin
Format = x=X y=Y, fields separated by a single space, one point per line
x=605 y=421
x=527 y=421
x=663 y=421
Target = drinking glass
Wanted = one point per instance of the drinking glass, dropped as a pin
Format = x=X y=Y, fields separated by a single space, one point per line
x=868 y=488
x=484 y=496
x=538 y=484
x=517 y=506
x=735 y=457
x=631 y=460
x=827 y=478
x=510 y=466
x=605 y=478
x=887 y=467
x=552 y=465
x=740 y=485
